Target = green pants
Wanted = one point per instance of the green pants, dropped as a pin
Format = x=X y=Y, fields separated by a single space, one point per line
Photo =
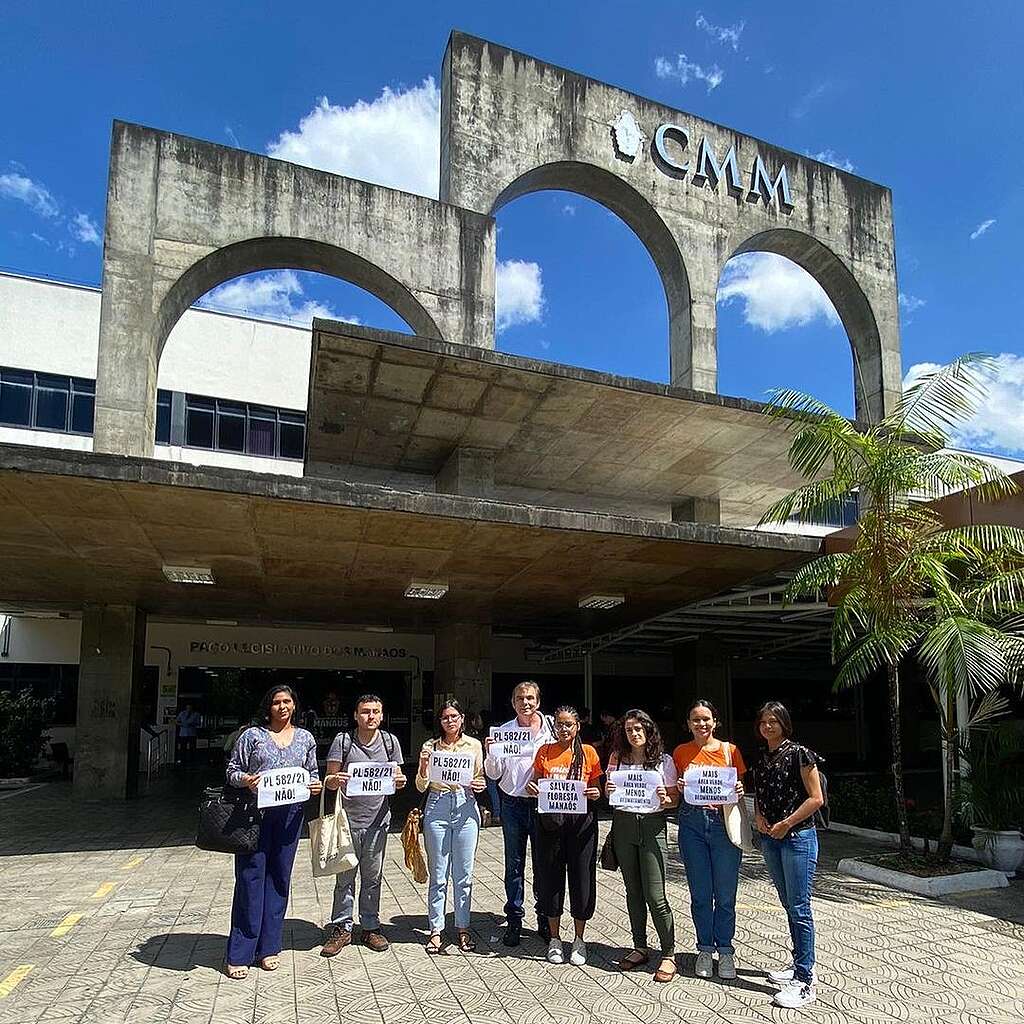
x=639 y=841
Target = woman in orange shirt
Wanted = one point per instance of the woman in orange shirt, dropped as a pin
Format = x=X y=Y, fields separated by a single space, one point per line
x=566 y=844
x=712 y=862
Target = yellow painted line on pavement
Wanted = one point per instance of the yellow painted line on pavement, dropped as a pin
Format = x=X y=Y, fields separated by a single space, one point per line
x=104 y=890
x=65 y=926
x=14 y=979
x=133 y=863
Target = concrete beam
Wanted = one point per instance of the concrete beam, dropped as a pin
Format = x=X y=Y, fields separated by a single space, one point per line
x=468 y=471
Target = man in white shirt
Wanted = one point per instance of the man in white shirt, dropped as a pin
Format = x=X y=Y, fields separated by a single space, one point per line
x=518 y=811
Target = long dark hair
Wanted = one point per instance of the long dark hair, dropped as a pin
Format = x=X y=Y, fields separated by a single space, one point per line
x=268 y=699
x=780 y=711
x=701 y=702
x=622 y=749
x=576 y=765
x=441 y=710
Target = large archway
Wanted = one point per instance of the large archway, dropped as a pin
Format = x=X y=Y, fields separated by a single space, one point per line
x=628 y=205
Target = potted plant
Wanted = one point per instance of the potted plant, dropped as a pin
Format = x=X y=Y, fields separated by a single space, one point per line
x=992 y=795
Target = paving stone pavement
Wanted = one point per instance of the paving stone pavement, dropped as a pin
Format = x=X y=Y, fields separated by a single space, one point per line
x=109 y=914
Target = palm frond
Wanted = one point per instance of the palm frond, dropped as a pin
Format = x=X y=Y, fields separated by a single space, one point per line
x=964 y=655
x=940 y=399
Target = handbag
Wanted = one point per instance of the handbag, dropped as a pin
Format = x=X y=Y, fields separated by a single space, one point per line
x=330 y=841
x=609 y=858
x=229 y=820
x=411 y=830
x=736 y=816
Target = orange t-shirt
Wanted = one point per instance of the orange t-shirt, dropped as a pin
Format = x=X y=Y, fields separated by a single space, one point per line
x=690 y=753
x=552 y=762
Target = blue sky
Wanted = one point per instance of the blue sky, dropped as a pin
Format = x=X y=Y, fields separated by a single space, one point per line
x=926 y=98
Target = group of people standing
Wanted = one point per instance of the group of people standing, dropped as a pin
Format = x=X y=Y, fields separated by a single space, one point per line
x=563 y=845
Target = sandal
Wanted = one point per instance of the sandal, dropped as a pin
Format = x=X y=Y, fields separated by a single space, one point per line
x=631 y=961
x=662 y=975
x=434 y=945
x=466 y=944
x=270 y=963
x=236 y=973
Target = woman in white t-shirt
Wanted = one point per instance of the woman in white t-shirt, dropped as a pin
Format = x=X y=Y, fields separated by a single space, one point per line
x=638 y=837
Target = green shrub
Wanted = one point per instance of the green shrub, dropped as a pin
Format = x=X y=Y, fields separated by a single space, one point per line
x=23 y=720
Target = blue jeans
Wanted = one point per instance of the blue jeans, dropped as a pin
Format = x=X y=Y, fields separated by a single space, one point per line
x=451 y=826
x=791 y=862
x=712 y=876
x=518 y=824
x=495 y=794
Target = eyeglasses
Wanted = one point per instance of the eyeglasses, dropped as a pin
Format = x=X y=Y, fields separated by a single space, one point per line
x=451 y=718
x=566 y=725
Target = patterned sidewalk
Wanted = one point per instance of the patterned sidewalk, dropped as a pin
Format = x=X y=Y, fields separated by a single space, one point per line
x=109 y=914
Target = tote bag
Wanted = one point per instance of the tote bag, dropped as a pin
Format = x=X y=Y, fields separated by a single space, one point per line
x=736 y=816
x=330 y=841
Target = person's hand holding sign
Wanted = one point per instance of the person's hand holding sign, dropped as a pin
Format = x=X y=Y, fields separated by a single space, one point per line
x=478 y=785
x=251 y=781
x=531 y=788
x=663 y=796
x=400 y=779
x=424 y=759
x=592 y=793
x=315 y=786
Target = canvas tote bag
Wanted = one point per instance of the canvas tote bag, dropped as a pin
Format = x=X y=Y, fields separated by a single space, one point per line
x=736 y=816
x=330 y=840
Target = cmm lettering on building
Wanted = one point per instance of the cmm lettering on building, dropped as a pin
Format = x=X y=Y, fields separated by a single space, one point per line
x=710 y=168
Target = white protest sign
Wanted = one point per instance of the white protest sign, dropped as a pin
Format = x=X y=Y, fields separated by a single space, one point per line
x=514 y=742
x=370 y=778
x=281 y=786
x=635 y=790
x=561 y=796
x=708 y=784
x=451 y=769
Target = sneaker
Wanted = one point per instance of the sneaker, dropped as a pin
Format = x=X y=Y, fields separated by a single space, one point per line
x=727 y=966
x=785 y=975
x=795 y=995
x=513 y=933
x=543 y=928
x=337 y=939
x=555 y=954
x=375 y=940
x=578 y=956
x=705 y=965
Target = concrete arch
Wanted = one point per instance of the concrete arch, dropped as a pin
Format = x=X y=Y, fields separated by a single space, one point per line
x=618 y=196
x=849 y=299
x=259 y=254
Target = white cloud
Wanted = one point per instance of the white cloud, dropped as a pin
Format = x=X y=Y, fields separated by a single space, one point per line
x=982 y=228
x=998 y=425
x=726 y=34
x=803 y=105
x=829 y=156
x=911 y=303
x=775 y=292
x=276 y=295
x=518 y=294
x=29 y=192
x=687 y=71
x=84 y=228
x=395 y=140
x=569 y=210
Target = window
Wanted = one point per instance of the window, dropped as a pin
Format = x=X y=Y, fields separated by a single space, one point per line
x=238 y=427
x=46 y=401
x=16 y=397
x=163 y=417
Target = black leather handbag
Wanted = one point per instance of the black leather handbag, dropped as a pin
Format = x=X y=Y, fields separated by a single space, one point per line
x=229 y=820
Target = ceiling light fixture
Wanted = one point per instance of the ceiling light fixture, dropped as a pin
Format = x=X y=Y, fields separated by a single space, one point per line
x=426 y=591
x=189 y=574
x=602 y=601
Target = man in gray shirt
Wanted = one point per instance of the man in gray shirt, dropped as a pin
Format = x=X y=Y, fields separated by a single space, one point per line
x=369 y=818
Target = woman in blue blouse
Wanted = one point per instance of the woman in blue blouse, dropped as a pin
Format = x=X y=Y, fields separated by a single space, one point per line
x=262 y=878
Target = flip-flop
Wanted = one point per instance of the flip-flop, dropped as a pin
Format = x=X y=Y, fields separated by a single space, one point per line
x=628 y=963
x=236 y=973
x=270 y=963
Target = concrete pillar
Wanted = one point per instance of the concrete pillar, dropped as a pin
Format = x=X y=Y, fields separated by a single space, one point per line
x=697 y=510
x=462 y=664
x=701 y=670
x=468 y=471
x=109 y=702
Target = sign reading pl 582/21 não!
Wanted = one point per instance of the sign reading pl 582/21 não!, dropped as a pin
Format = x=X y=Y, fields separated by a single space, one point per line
x=451 y=769
x=371 y=778
x=281 y=786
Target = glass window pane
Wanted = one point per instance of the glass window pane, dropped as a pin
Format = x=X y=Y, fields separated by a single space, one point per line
x=261 y=436
x=293 y=440
x=82 y=408
x=16 y=377
x=230 y=432
x=53 y=381
x=199 y=428
x=82 y=384
x=163 y=421
x=51 y=409
x=15 y=404
x=198 y=402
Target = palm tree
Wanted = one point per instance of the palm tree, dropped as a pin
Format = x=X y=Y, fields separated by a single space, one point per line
x=908 y=585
